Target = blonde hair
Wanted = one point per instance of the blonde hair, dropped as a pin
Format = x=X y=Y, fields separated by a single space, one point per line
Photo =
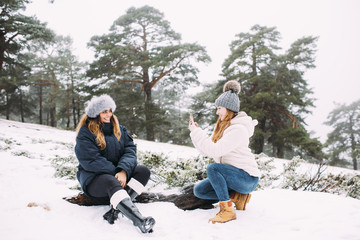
x=222 y=125
x=94 y=125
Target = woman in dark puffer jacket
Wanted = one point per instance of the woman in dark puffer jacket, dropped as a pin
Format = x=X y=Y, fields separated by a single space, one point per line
x=108 y=163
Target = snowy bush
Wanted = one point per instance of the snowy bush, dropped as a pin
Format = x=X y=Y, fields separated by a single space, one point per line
x=266 y=168
x=353 y=185
x=180 y=172
x=292 y=177
x=7 y=144
x=65 y=167
x=22 y=153
x=174 y=173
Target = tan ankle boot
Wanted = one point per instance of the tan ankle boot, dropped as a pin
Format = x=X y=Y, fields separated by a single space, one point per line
x=240 y=200
x=227 y=213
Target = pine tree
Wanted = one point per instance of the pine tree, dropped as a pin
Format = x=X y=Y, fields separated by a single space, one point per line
x=344 y=141
x=16 y=34
x=142 y=49
x=273 y=89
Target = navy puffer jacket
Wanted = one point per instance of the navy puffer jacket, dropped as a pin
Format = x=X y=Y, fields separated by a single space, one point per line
x=117 y=155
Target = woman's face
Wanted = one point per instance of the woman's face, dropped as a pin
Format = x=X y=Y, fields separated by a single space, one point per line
x=221 y=112
x=106 y=115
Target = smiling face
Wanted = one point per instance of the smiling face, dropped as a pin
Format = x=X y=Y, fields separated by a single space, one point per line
x=221 y=112
x=106 y=115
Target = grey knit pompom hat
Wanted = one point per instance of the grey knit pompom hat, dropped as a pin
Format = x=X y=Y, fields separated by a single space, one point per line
x=99 y=104
x=230 y=99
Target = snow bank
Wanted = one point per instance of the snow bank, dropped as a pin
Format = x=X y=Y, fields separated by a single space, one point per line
x=27 y=177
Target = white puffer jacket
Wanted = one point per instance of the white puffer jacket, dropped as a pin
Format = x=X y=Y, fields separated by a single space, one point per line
x=233 y=147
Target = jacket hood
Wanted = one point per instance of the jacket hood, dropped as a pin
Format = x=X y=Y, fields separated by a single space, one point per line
x=245 y=120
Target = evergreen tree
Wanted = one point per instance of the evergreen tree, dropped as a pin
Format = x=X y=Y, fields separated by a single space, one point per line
x=16 y=34
x=56 y=80
x=71 y=76
x=129 y=107
x=142 y=49
x=273 y=90
x=203 y=107
x=174 y=102
x=344 y=141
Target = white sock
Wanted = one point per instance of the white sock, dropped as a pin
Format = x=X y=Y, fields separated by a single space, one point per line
x=136 y=186
x=117 y=197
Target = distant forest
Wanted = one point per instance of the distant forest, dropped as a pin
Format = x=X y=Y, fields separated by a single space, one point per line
x=146 y=67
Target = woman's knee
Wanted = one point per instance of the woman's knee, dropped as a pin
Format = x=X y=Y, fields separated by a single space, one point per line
x=197 y=190
x=143 y=170
x=212 y=168
x=202 y=187
x=141 y=174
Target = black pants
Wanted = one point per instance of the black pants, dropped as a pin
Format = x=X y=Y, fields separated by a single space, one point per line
x=105 y=185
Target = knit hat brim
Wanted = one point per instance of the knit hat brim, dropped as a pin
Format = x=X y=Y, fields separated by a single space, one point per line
x=229 y=98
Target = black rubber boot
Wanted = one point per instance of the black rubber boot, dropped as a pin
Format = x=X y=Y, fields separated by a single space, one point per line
x=127 y=207
x=131 y=193
x=111 y=215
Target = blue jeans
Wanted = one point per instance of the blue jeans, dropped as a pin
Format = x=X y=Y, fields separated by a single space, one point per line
x=221 y=179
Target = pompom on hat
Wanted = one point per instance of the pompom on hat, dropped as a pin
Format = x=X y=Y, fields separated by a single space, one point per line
x=230 y=99
x=99 y=104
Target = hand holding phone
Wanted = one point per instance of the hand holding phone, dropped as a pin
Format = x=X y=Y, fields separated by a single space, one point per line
x=191 y=118
x=192 y=124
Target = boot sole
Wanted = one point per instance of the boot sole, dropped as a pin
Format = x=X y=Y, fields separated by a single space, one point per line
x=213 y=222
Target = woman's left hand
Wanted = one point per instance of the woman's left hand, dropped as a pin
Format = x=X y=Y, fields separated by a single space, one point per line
x=121 y=177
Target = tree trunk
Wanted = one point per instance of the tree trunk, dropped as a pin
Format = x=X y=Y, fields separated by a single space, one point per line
x=2 y=48
x=7 y=106
x=47 y=118
x=53 y=117
x=148 y=113
x=74 y=112
x=149 y=123
x=21 y=106
x=254 y=62
x=40 y=104
x=355 y=163
x=52 y=100
x=68 y=108
x=73 y=104
x=259 y=139
x=273 y=151
x=186 y=200
x=78 y=109
x=52 y=110
x=280 y=152
x=353 y=145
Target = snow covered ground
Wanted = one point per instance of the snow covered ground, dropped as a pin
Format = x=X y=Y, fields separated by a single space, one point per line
x=27 y=179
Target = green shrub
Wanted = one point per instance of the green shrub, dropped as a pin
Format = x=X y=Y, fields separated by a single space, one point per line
x=180 y=172
x=174 y=173
x=65 y=167
x=22 y=153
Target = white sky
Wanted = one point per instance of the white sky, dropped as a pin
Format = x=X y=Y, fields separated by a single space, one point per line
x=214 y=25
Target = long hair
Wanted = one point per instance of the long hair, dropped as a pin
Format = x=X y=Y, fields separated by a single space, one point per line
x=95 y=127
x=222 y=125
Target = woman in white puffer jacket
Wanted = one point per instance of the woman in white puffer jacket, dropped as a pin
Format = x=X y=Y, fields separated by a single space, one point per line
x=235 y=174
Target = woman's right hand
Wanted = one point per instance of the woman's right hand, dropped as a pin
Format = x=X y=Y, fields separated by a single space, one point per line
x=121 y=177
x=192 y=124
